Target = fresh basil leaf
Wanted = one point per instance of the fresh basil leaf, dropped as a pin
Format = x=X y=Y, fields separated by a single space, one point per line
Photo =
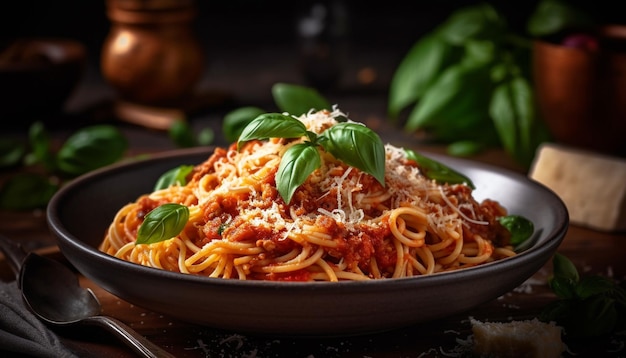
x=483 y=133
x=298 y=100
x=357 y=146
x=236 y=120
x=91 y=148
x=418 y=70
x=350 y=142
x=593 y=317
x=521 y=228
x=564 y=277
x=162 y=223
x=272 y=125
x=563 y=287
x=464 y=148
x=561 y=311
x=40 y=146
x=206 y=136
x=455 y=104
x=221 y=228
x=297 y=163
x=600 y=314
x=512 y=110
x=11 y=152
x=174 y=176
x=592 y=306
x=563 y=267
x=26 y=191
x=181 y=134
x=480 y=21
x=594 y=285
x=479 y=52
x=553 y=16
x=437 y=171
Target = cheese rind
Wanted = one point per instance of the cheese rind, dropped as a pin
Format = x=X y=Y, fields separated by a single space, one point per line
x=530 y=338
x=592 y=186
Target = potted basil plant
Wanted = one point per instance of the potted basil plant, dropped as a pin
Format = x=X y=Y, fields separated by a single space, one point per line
x=468 y=82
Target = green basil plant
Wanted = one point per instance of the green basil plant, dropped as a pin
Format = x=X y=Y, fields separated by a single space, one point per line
x=86 y=149
x=468 y=82
x=590 y=306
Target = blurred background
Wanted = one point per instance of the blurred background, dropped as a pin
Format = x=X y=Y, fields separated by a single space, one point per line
x=377 y=34
x=246 y=47
x=391 y=25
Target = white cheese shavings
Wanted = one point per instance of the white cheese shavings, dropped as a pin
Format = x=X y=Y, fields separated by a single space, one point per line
x=341 y=187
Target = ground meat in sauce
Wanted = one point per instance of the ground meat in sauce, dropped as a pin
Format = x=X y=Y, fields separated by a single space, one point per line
x=207 y=166
x=355 y=249
x=488 y=210
x=147 y=205
x=242 y=230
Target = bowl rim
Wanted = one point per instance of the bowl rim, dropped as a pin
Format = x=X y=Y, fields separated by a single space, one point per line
x=551 y=240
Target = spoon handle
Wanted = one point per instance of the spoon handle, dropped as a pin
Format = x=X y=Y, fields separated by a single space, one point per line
x=14 y=253
x=134 y=340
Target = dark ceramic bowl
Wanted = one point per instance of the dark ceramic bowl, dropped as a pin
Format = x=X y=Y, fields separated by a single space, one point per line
x=37 y=76
x=80 y=213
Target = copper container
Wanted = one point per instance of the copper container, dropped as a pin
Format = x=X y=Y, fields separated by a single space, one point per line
x=150 y=55
x=581 y=94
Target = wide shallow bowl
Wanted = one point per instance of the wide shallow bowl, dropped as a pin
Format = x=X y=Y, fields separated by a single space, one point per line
x=81 y=211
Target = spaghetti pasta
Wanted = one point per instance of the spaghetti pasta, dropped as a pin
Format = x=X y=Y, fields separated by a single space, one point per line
x=341 y=224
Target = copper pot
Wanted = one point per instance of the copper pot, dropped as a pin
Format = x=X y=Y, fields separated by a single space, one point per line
x=150 y=55
x=581 y=94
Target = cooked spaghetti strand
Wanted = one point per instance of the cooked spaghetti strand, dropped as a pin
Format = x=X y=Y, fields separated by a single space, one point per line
x=341 y=224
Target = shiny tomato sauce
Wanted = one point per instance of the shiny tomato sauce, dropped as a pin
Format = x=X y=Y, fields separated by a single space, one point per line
x=488 y=210
x=295 y=276
x=146 y=205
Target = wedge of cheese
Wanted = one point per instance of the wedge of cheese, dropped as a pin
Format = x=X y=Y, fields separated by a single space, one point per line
x=529 y=339
x=592 y=186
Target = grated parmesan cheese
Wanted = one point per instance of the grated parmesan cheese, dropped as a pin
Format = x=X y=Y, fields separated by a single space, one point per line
x=592 y=186
x=341 y=187
x=529 y=338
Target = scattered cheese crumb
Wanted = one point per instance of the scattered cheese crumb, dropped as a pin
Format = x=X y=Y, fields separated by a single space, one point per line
x=530 y=338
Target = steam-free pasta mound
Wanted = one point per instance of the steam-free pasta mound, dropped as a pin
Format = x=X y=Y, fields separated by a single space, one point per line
x=340 y=224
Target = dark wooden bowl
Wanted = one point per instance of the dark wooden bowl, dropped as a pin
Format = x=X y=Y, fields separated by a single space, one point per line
x=37 y=76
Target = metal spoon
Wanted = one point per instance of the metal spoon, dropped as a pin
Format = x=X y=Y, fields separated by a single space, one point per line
x=52 y=292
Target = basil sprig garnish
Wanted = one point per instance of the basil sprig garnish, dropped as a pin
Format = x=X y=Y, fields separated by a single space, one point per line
x=437 y=171
x=162 y=223
x=350 y=142
x=298 y=99
x=589 y=306
x=521 y=228
x=297 y=163
x=290 y=98
x=357 y=146
x=173 y=176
